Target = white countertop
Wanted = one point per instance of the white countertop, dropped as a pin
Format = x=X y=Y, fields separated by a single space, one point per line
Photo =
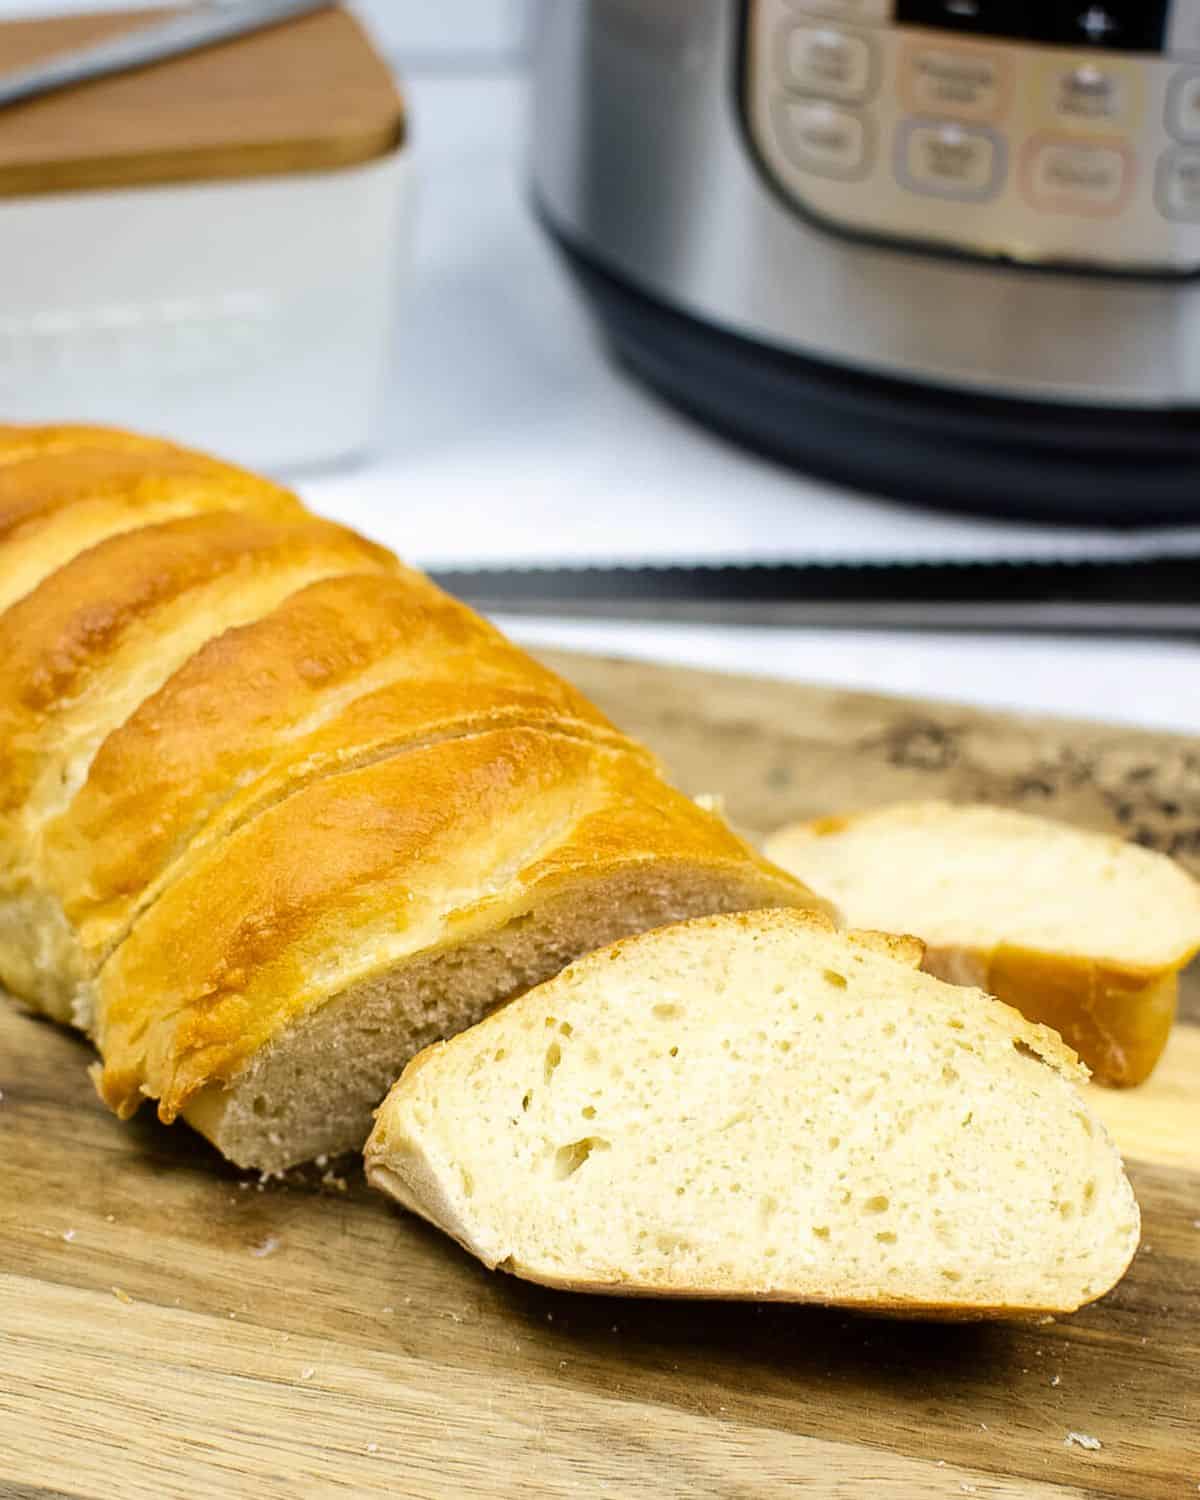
x=509 y=436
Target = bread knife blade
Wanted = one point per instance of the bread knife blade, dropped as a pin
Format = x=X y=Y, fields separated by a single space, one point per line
x=1156 y=595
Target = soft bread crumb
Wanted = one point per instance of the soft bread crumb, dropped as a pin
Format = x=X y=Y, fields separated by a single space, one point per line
x=758 y=1106
x=947 y=872
x=314 y=1093
x=1082 y=931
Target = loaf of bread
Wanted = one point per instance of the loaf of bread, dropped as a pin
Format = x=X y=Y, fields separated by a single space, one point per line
x=1082 y=931
x=760 y=1107
x=275 y=812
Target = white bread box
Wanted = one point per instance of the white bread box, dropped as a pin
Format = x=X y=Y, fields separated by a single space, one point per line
x=209 y=248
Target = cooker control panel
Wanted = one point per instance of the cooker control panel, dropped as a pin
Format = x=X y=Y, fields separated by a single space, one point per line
x=1054 y=132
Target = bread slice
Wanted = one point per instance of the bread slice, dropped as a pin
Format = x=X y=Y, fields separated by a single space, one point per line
x=1082 y=931
x=760 y=1107
x=275 y=811
x=274 y=992
x=347 y=671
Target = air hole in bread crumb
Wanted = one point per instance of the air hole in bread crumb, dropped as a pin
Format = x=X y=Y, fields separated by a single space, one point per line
x=1027 y=1051
x=839 y=981
x=1065 y=1209
x=553 y=1058
x=879 y=1204
x=589 y=1111
x=949 y=1074
x=260 y=1105
x=1089 y=1194
x=784 y=1046
x=886 y=1237
x=526 y=1099
x=499 y=1055
x=665 y=1012
x=952 y=1275
x=674 y=1052
x=834 y=1142
x=821 y=1231
x=956 y=1023
x=566 y=1028
x=889 y=1028
x=468 y=1183
x=569 y=1159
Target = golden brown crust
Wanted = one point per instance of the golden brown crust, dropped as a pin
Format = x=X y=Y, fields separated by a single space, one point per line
x=903 y=947
x=18 y=441
x=55 y=641
x=415 y=853
x=63 y=490
x=1118 y=1019
x=349 y=669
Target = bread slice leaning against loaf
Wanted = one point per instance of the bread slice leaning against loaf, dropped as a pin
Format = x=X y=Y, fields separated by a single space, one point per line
x=275 y=812
x=757 y=1106
x=1083 y=931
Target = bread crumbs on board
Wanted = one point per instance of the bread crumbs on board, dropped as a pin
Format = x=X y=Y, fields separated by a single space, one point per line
x=1083 y=1440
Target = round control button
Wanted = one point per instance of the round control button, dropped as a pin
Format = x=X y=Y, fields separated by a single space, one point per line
x=949 y=160
x=823 y=60
x=1077 y=92
x=1178 y=185
x=823 y=138
x=968 y=83
x=1065 y=176
x=1183 y=107
x=1088 y=93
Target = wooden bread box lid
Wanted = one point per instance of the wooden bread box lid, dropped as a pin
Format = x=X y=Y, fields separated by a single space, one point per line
x=307 y=95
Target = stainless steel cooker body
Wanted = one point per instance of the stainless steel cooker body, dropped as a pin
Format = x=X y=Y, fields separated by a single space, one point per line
x=918 y=213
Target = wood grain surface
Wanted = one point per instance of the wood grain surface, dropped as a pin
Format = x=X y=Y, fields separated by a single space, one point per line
x=307 y=95
x=170 y=1328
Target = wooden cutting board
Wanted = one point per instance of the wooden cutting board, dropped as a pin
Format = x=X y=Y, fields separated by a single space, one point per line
x=168 y=1328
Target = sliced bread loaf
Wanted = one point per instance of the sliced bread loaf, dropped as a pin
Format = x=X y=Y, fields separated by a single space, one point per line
x=276 y=812
x=757 y=1106
x=1082 y=931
